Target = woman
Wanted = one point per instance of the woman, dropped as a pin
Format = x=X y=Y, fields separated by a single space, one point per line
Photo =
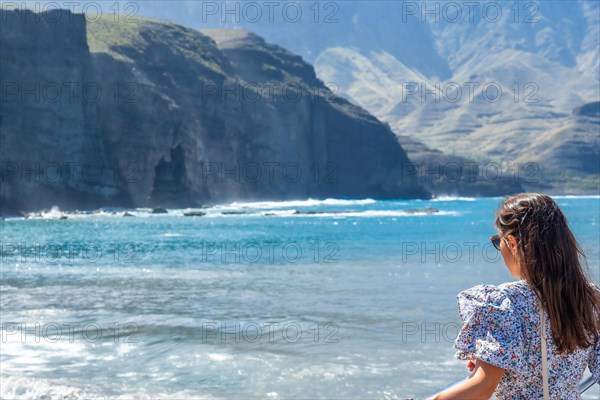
x=501 y=334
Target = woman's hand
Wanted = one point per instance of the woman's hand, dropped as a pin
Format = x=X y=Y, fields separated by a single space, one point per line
x=470 y=365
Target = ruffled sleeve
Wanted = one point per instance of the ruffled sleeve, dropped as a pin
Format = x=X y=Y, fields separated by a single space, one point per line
x=594 y=362
x=491 y=328
x=594 y=356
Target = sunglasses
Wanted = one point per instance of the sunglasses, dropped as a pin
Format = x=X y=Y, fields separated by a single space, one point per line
x=495 y=241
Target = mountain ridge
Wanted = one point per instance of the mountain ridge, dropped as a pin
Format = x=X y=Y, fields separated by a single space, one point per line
x=160 y=129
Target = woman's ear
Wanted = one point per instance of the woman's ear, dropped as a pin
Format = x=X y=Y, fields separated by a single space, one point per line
x=512 y=244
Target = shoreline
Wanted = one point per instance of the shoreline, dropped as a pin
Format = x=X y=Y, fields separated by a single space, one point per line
x=309 y=202
x=283 y=208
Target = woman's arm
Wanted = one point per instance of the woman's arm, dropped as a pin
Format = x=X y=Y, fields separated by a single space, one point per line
x=480 y=385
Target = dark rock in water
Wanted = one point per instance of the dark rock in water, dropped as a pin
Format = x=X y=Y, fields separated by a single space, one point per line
x=429 y=210
x=232 y=212
x=126 y=214
x=159 y=210
x=299 y=212
x=269 y=214
x=63 y=217
x=194 y=214
x=165 y=137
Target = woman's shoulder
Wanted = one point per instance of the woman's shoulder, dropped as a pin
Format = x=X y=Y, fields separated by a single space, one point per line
x=503 y=287
x=492 y=324
x=508 y=302
x=512 y=292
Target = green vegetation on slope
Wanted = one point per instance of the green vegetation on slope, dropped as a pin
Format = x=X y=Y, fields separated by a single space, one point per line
x=122 y=39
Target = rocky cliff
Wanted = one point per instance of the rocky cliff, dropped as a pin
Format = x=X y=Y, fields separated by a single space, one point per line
x=52 y=149
x=150 y=113
x=569 y=155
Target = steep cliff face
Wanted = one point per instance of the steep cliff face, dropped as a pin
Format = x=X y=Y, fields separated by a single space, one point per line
x=570 y=154
x=576 y=145
x=451 y=175
x=312 y=125
x=440 y=173
x=51 y=149
x=181 y=121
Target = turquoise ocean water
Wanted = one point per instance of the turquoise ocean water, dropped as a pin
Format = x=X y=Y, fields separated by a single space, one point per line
x=307 y=299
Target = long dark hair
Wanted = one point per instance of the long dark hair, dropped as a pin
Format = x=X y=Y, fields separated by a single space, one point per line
x=550 y=262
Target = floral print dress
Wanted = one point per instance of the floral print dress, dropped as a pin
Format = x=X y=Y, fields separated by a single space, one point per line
x=501 y=326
